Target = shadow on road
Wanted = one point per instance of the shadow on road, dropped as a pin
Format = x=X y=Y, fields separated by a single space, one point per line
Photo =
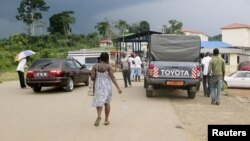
x=57 y=90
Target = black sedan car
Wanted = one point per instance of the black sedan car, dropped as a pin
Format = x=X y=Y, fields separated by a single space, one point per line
x=49 y=72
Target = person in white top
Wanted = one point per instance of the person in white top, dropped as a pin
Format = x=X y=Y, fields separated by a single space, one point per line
x=20 y=71
x=138 y=63
x=206 y=78
x=131 y=60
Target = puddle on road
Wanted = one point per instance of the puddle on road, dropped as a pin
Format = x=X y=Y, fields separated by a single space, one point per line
x=243 y=99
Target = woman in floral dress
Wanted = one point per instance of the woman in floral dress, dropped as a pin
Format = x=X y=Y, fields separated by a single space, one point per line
x=102 y=74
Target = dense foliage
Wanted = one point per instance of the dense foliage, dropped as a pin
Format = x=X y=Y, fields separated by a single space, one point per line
x=173 y=27
x=60 y=23
x=55 y=45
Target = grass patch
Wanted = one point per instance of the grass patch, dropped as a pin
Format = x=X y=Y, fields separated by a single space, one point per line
x=8 y=76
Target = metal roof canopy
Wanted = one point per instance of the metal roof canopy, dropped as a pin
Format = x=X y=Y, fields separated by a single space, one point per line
x=136 y=37
x=222 y=46
x=215 y=44
x=136 y=40
x=228 y=50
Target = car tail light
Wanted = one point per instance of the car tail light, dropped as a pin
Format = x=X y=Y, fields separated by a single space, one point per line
x=55 y=73
x=30 y=74
x=150 y=70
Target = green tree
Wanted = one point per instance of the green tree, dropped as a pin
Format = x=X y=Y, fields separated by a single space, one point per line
x=173 y=27
x=30 y=11
x=6 y=58
x=134 y=28
x=216 y=38
x=144 y=26
x=93 y=39
x=60 y=23
x=122 y=26
x=104 y=28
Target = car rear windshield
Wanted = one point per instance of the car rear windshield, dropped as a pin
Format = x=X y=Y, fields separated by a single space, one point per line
x=45 y=63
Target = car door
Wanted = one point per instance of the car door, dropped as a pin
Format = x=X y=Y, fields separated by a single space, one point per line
x=239 y=79
x=74 y=71
x=246 y=83
x=81 y=72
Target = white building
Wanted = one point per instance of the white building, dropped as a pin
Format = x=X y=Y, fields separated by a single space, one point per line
x=236 y=34
x=106 y=43
x=203 y=36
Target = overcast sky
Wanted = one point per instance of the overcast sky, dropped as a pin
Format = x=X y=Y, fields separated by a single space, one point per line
x=206 y=16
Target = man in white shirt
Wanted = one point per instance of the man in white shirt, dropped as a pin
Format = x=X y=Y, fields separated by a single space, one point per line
x=20 y=71
x=138 y=63
x=131 y=60
x=206 y=78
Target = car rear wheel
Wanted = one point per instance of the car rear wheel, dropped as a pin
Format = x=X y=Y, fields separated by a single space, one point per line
x=70 y=85
x=37 y=89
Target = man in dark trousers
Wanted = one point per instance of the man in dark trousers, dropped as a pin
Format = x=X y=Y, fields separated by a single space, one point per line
x=20 y=71
x=125 y=65
x=206 y=78
x=217 y=70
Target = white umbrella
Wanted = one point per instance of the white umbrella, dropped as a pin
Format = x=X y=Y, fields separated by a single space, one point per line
x=24 y=54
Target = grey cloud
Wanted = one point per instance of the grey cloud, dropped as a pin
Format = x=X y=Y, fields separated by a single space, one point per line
x=207 y=16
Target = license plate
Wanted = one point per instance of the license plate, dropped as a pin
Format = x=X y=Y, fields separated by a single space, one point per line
x=41 y=74
x=174 y=83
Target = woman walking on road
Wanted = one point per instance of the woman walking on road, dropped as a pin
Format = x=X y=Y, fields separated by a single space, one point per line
x=102 y=74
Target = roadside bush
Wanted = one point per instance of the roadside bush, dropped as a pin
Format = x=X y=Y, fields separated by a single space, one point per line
x=6 y=61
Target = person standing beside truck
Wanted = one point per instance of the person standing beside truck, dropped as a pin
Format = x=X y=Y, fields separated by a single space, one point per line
x=132 y=66
x=125 y=66
x=206 y=78
x=217 y=70
x=138 y=63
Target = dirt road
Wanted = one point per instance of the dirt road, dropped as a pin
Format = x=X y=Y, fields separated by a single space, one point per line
x=54 y=115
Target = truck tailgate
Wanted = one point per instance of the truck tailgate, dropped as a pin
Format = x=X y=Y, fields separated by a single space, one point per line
x=176 y=70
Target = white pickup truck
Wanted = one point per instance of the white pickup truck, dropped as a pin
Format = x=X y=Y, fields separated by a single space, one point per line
x=173 y=63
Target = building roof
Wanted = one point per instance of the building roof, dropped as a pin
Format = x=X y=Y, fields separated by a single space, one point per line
x=136 y=37
x=106 y=41
x=191 y=31
x=236 y=25
x=214 y=44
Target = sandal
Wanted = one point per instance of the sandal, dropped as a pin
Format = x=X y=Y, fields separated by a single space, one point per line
x=106 y=123
x=97 y=122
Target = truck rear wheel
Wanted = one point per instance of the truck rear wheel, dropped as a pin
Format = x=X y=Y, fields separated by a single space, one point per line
x=145 y=83
x=149 y=93
x=191 y=92
x=198 y=87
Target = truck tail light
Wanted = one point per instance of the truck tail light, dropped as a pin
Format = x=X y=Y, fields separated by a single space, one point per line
x=150 y=70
